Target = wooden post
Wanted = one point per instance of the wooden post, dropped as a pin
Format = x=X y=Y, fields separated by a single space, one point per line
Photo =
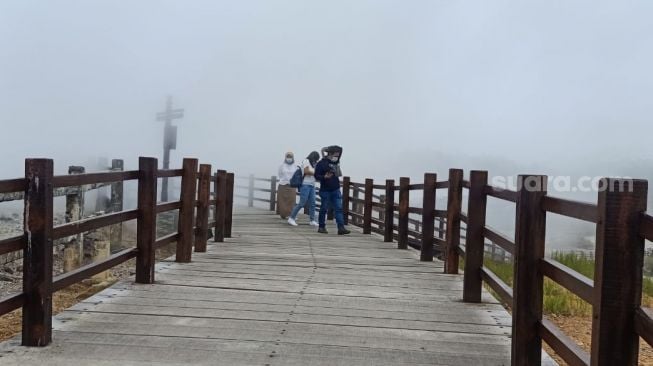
x=146 y=221
x=428 y=217
x=454 y=202
x=382 y=211
x=117 y=192
x=530 y=229
x=389 y=210
x=220 y=205
x=367 y=214
x=618 y=271
x=273 y=193
x=73 y=252
x=346 y=188
x=404 y=202
x=475 y=243
x=250 y=192
x=356 y=206
x=101 y=193
x=441 y=228
x=187 y=211
x=229 y=205
x=37 y=255
x=203 y=195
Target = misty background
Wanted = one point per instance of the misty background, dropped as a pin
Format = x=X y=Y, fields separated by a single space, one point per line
x=545 y=87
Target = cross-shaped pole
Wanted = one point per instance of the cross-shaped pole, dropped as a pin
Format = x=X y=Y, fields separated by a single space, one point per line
x=169 y=140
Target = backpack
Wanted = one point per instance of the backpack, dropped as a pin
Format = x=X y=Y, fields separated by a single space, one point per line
x=297 y=178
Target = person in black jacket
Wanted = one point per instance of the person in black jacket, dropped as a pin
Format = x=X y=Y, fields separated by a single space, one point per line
x=327 y=173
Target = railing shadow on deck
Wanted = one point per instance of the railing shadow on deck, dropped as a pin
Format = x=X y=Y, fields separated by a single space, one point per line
x=622 y=226
x=194 y=206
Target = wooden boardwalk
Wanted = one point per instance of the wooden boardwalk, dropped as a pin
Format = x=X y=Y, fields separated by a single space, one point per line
x=277 y=295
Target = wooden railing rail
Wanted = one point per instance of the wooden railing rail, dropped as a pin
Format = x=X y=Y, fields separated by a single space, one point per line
x=39 y=233
x=614 y=293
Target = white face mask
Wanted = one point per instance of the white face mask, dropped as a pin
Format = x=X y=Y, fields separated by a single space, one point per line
x=289 y=161
x=334 y=159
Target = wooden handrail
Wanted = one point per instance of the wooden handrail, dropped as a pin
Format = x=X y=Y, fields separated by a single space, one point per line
x=499 y=239
x=38 y=188
x=12 y=244
x=168 y=206
x=578 y=210
x=564 y=346
x=500 y=193
x=568 y=278
x=644 y=324
x=77 y=275
x=169 y=173
x=93 y=223
x=61 y=181
x=497 y=285
x=646 y=226
x=12 y=185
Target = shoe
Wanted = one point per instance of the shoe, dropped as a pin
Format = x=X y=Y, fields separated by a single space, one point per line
x=314 y=223
x=322 y=230
x=343 y=231
x=292 y=222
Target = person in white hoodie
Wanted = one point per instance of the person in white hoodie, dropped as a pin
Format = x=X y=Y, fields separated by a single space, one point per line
x=286 y=195
x=307 y=190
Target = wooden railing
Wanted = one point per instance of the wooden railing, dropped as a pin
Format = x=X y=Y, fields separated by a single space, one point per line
x=268 y=188
x=615 y=293
x=39 y=233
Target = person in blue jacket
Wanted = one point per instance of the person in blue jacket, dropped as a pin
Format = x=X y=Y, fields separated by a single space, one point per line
x=327 y=172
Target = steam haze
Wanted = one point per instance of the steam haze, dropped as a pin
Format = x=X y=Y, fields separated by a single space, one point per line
x=552 y=87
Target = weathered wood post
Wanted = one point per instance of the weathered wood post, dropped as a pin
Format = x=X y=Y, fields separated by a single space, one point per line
x=73 y=252
x=475 y=243
x=441 y=228
x=367 y=214
x=618 y=271
x=117 y=192
x=99 y=250
x=101 y=193
x=428 y=217
x=273 y=193
x=389 y=211
x=37 y=255
x=187 y=211
x=229 y=205
x=454 y=202
x=146 y=221
x=203 y=197
x=346 y=191
x=356 y=206
x=404 y=203
x=381 y=211
x=530 y=229
x=220 y=205
x=250 y=191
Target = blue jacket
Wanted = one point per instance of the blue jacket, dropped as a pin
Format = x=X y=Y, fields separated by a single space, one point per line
x=330 y=184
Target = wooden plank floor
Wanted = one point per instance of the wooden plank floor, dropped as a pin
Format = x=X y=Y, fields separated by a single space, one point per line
x=277 y=295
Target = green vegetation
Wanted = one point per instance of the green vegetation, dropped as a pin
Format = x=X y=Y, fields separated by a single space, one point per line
x=558 y=300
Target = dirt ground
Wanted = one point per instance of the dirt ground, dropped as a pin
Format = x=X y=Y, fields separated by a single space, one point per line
x=580 y=330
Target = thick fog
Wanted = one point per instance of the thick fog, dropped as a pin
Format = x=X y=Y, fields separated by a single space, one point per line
x=550 y=87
